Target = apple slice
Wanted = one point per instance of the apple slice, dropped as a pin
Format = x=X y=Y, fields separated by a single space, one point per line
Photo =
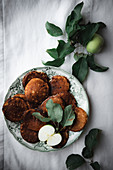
x=45 y=132
x=54 y=139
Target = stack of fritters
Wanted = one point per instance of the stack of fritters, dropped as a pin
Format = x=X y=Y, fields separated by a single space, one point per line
x=38 y=90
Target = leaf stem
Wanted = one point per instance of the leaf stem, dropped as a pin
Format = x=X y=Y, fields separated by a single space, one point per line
x=57 y=127
x=78 y=46
x=90 y=161
x=61 y=129
x=54 y=124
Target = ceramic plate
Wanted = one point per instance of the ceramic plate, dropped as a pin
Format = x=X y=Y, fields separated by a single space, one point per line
x=75 y=88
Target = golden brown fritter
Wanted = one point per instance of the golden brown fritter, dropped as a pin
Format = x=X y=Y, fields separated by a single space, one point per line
x=22 y=96
x=65 y=136
x=36 y=90
x=28 y=135
x=14 y=108
x=34 y=105
x=34 y=74
x=80 y=121
x=32 y=122
x=59 y=84
x=68 y=99
x=56 y=99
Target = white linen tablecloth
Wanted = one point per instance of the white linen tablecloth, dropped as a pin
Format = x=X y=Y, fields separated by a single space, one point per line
x=23 y=42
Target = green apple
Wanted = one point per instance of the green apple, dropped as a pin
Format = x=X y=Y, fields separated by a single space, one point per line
x=45 y=132
x=54 y=139
x=95 y=45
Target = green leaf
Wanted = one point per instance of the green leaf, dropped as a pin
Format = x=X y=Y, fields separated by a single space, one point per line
x=91 y=139
x=77 y=56
x=88 y=31
x=55 y=111
x=64 y=49
x=57 y=62
x=94 y=66
x=87 y=153
x=74 y=161
x=80 y=69
x=40 y=117
x=68 y=116
x=95 y=165
x=73 y=33
x=73 y=19
x=59 y=53
x=53 y=29
x=53 y=53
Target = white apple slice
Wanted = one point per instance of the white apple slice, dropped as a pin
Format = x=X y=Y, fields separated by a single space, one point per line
x=54 y=139
x=45 y=132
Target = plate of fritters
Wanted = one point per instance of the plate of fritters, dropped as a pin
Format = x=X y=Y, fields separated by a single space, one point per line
x=30 y=92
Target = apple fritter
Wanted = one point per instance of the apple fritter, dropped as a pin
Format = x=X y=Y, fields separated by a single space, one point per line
x=14 y=108
x=59 y=84
x=36 y=90
x=28 y=135
x=68 y=99
x=34 y=74
x=56 y=99
x=80 y=121
x=32 y=122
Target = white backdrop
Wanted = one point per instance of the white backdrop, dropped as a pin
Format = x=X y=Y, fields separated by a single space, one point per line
x=23 y=42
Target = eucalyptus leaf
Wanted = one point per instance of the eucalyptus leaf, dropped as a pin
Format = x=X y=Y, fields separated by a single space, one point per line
x=94 y=66
x=91 y=139
x=88 y=31
x=57 y=62
x=68 y=116
x=87 y=153
x=73 y=19
x=74 y=161
x=95 y=165
x=53 y=29
x=53 y=53
x=40 y=117
x=55 y=111
x=80 y=69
